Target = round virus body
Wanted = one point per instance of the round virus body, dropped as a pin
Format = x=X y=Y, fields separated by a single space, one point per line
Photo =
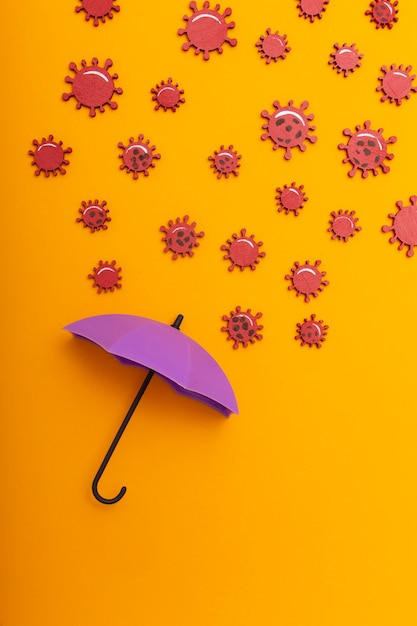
x=273 y=46
x=106 y=276
x=345 y=58
x=242 y=327
x=383 y=13
x=167 y=96
x=366 y=150
x=343 y=225
x=310 y=9
x=243 y=251
x=92 y=86
x=311 y=332
x=404 y=226
x=396 y=83
x=138 y=156
x=49 y=156
x=180 y=237
x=206 y=29
x=307 y=280
x=225 y=162
x=288 y=127
x=98 y=10
x=291 y=198
x=94 y=215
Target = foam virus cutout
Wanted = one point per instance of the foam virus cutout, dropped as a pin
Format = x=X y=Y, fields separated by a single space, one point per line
x=404 y=226
x=242 y=327
x=366 y=150
x=98 y=10
x=307 y=280
x=106 y=276
x=311 y=332
x=49 y=156
x=383 y=13
x=138 y=156
x=243 y=251
x=273 y=46
x=167 y=96
x=290 y=198
x=206 y=29
x=180 y=237
x=225 y=162
x=94 y=215
x=310 y=9
x=345 y=58
x=92 y=86
x=288 y=127
x=396 y=83
x=343 y=224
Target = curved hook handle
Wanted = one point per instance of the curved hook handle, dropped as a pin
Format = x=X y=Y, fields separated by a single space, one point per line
x=99 y=497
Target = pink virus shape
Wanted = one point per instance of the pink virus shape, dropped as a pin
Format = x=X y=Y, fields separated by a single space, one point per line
x=98 y=10
x=180 y=237
x=243 y=251
x=343 y=225
x=167 y=96
x=307 y=280
x=49 y=156
x=404 y=226
x=94 y=215
x=396 y=83
x=242 y=327
x=310 y=9
x=273 y=46
x=92 y=86
x=383 y=13
x=345 y=58
x=311 y=332
x=290 y=198
x=106 y=276
x=225 y=162
x=288 y=127
x=206 y=29
x=138 y=156
x=366 y=150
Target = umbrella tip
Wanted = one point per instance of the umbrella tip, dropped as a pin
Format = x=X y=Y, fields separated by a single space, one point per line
x=178 y=321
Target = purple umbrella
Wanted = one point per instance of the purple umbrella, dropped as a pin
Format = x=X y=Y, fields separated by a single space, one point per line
x=164 y=351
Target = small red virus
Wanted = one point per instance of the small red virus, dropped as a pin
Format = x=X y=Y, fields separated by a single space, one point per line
x=404 y=226
x=225 y=162
x=180 y=237
x=396 y=83
x=345 y=59
x=310 y=9
x=242 y=327
x=138 y=156
x=243 y=251
x=92 y=86
x=288 y=127
x=94 y=215
x=206 y=29
x=366 y=150
x=167 y=96
x=273 y=46
x=49 y=156
x=290 y=198
x=98 y=9
x=383 y=13
x=106 y=276
x=307 y=280
x=343 y=225
x=311 y=332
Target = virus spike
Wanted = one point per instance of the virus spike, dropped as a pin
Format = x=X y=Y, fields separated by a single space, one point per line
x=92 y=86
x=180 y=237
x=311 y=332
x=225 y=162
x=98 y=9
x=106 y=276
x=343 y=225
x=383 y=13
x=366 y=150
x=242 y=327
x=396 y=83
x=288 y=127
x=345 y=59
x=307 y=280
x=94 y=215
x=243 y=251
x=138 y=156
x=167 y=96
x=49 y=156
x=290 y=198
x=273 y=46
x=310 y=9
x=206 y=29
x=404 y=226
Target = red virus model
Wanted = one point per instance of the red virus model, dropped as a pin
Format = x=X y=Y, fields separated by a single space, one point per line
x=343 y=225
x=345 y=59
x=243 y=251
x=94 y=215
x=92 y=86
x=225 y=162
x=290 y=198
x=242 y=327
x=288 y=127
x=49 y=156
x=273 y=46
x=106 y=276
x=180 y=237
x=383 y=13
x=366 y=150
x=206 y=29
x=167 y=96
x=311 y=332
x=396 y=83
x=138 y=156
x=404 y=226
x=98 y=9
x=307 y=280
x=310 y=9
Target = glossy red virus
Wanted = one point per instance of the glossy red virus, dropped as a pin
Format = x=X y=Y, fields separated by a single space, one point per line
x=94 y=215
x=225 y=162
x=345 y=58
x=288 y=127
x=310 y=9
x=366 y=150
x=180 y=237
x=242 y=327
x=243 y=251
x=49 y=156
x=167 y=96
x=92 y=86
x=138 y=156
x=311 y=332
x=404 y=226
x=396 y=83
x=290 y=198
x=106 y=276
x=206 y=29
x=383 y=13
x=343 y=225
x=98 y=10
x=273 y=46
x=307 y=280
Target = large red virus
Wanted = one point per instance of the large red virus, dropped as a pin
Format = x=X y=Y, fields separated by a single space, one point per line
x=180 y=237
x=290 y=198
x=106 y=276
x=98 y=10
x=343 y=225
x=383 y=13
x=273 y=46
x=396 y=83
x=94 y=215
x=311 y=332
x=167 y=96
x=366 y=150
x=288 y=127
x=138 y=156
x=404 y=226
x=92 y=86
x=307 y=280
x=242 y=327
x=310 y=9
x=49 y=156
x=225 y=162
x=243 y=251
x=206 y=29
x=345 y=58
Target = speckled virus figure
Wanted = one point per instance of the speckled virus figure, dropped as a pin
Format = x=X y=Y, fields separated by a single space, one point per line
x=273 y=46
x=242 y=327
x=94 y=215
x=310 y=9
x=167 y=96
x=288 y=127
x=92 y=86
x=206 y=29
x=404 y=226
x=291 y=198
x=345 y=58
x=366 y=150
x=383 y=13
x=138 y=156
x=49 y=156
x=307 y=280
x=311 y=332
x=243 y=251
x=343 y=225
x=98 y=10
x=225 y=162
x=396 y=83
x=180 y=237
x=106 y=276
